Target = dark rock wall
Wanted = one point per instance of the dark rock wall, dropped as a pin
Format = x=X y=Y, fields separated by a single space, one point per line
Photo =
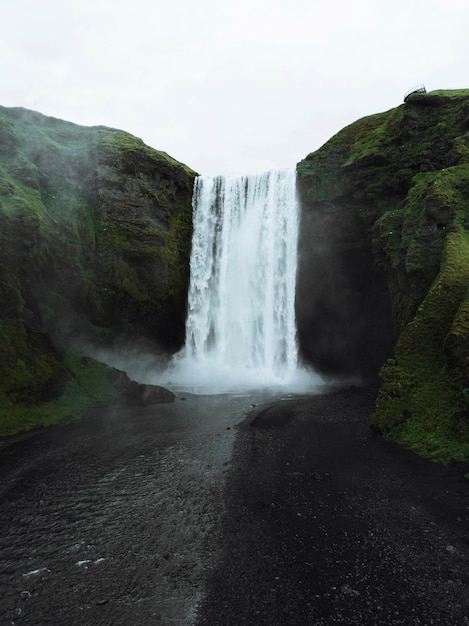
x=390 y=195
x=95 y=234
x=343 y=305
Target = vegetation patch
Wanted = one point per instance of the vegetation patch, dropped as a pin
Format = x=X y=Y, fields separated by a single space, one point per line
x=87 y=385
x=421 y=404
x=90 y=247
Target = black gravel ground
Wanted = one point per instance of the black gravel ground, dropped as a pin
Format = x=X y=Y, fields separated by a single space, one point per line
x=138 y=517
x=326 y=524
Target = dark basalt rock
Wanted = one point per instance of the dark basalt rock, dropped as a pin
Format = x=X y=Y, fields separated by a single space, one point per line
x=137 y=394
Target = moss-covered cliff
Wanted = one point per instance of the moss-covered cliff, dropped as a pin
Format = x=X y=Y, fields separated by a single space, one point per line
x=393 y=189
x=95 y=232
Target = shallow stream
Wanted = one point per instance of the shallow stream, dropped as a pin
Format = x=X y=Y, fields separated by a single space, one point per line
x=114 y=519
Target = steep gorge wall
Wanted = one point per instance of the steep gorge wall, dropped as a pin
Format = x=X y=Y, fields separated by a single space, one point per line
x=343 y=306
x=95 y=231
x=387 y=199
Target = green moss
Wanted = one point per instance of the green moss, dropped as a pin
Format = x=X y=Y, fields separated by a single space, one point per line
x=447 y=94
x=29 y=370
x=405 y=173
x=87 y=246
x=460 y=326
x=124 y=148
x=378 y=155
x=420 y=404
x=87 y=386
x=387 y=238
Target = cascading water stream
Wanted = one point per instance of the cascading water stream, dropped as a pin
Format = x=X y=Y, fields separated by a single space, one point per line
x=240 y=329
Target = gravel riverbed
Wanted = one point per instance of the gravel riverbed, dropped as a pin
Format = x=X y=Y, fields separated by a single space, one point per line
x=230 y=510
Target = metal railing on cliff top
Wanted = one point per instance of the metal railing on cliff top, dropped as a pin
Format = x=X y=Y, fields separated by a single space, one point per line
x=419 y=89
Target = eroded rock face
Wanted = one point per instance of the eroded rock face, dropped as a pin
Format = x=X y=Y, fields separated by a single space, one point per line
x=95 y=234
x=385 y=237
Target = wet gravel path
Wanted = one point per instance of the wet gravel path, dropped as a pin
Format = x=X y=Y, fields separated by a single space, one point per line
x=148 y=517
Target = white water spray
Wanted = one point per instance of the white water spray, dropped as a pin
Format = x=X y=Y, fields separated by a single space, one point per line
x=240 y=329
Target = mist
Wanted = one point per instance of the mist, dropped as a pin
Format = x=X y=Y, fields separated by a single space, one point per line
x=336 y=312
x=240 y=328
x=343 y=305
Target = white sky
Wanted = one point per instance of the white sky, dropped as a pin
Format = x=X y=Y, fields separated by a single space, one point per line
x=228 y=86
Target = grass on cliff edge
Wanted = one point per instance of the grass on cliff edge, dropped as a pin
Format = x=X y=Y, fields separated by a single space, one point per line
x=375 y=158
x=88 y=386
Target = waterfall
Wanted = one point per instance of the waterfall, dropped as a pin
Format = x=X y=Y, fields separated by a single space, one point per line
x=240 y=329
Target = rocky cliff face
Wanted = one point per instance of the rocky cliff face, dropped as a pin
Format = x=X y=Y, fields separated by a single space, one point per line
x=384 y=260
x=95 y=231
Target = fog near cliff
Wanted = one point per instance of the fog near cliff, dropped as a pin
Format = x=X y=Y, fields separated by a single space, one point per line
x=343 y=306
x=224 y=86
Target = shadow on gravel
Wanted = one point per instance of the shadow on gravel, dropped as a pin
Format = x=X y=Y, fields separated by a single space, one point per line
x=326 y=524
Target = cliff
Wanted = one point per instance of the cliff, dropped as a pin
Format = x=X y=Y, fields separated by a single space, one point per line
x=384 y=267
x=95 y=231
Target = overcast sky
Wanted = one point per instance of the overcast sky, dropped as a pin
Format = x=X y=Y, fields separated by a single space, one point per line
x=228 y=86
